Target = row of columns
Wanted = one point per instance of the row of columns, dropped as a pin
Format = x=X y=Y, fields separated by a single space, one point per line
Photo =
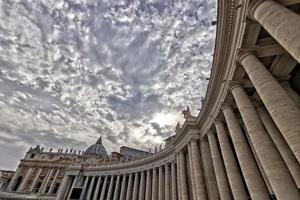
x=154 y=184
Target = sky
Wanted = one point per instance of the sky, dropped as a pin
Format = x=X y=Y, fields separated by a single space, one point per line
x=72 y=70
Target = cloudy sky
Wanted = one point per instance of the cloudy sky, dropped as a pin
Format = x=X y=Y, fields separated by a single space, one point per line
x=71 y=70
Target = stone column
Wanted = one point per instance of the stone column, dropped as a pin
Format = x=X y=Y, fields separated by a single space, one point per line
x=208 y=168
x=219 y=167
x=281 y=144
x=233 y=172
x=117 y=188
x=62 y=190
x=174 y=181
x=148 y=186
x=279 y=176
x=123 y=188
x=36 y=178
x=282 y=23
x=154 y=185
x=142 y=186
x=167 y=182
x=25 y=179
x=129 y=188
x=136 y=187
x=160 y=183
x=184 y=187
x=13 y=180
x=250 y=170
x=198 y=171
x=110 y=188
x=45 y=182
x=192 y=173
x=179 y=191
x=84 y=188
x=54 y=181
x=97 y=188
x=103 y=188
x=72 y=186
x=283 y=110
x=89 y=193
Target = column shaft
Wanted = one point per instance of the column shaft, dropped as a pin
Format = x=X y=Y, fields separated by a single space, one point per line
x=274 y=166
x=250 y=170
x=123 y=188
x=174 y=181
x=192 y=172
x=184 y=187
x=36 y=178
x=148 y=186
x=97 y=188
x=103 y=188
x=110 y=188
x=160 y=183
x=198 y=171
x=208 y=168
x=219 y=168
x=167 y=182
x=283 y=110
x=154 y=185
x=179 y=191
x=136 y=186
x=117 y=188
x=89 y=193
x=62 y=190
x=142 y=186
x=282 y=23
x=84 y=188
x=53 y=182
x=129 y=188
x=233 y=172
x=281 y=144
x=25 y=179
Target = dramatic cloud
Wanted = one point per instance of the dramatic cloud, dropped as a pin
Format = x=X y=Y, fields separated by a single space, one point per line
x=72 y=70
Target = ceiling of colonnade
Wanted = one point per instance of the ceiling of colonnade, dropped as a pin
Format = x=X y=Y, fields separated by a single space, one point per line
x=73 y=69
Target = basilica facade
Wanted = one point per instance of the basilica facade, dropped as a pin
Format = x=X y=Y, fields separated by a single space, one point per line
x=243 y=144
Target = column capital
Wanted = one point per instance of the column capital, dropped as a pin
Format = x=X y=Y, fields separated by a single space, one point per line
x=234 y=85
x=253 y=6
x=243 y=53
x=209 y=132
x=218 y=121
x=225 y=106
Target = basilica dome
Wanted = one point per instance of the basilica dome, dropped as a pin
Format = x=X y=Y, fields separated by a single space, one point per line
x=97 y=149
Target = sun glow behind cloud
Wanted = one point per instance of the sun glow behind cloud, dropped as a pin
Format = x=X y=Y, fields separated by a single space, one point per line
x=73 y=70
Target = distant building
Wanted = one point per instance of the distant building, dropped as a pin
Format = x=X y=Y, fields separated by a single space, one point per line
x=5 y=177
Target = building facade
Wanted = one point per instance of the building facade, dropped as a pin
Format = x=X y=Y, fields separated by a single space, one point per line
x=245 y=141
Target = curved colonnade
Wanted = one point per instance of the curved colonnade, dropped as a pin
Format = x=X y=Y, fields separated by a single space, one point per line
x=245 y=142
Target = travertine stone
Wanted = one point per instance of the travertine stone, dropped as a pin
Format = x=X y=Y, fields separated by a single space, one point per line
x=97 y=189
x=129 y=188
x=103 y=188
x=233 y=172
x=250 y=170
x=13 y=180
x=160 y=183
x=191 y=169
x=89 y=193
x=117 y=188
x=110 y=188
x=198 y=171
x=154 y=185
x=123 y=188
x=179 y=191
x=46 y=181
x=174 y=181
x=219 y=167
x=84 y=188
x=63 y=187
x=167 y=182
x=281 y=144
x=184 y=187
x=281 y=107
x=273 y=164
x=36 y=178
x=25 y=179
x=53 y=182
x=282 y=23
x=136 y=186
x=148 y=186
x=142 y=186
x=208 y=168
